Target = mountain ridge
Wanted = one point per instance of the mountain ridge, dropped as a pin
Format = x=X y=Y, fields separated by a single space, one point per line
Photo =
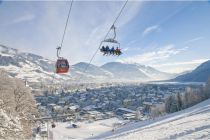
x=35 y=68
x=200 y=74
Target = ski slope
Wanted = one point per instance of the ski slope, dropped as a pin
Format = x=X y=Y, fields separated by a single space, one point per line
x=191 y=123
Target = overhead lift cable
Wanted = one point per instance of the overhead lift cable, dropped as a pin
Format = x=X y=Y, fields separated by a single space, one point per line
x=62 y=64
x=85 y=69
x=60 y=60
x=67 y=21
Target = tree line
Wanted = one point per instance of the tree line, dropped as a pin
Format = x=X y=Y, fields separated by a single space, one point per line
x=180 y=101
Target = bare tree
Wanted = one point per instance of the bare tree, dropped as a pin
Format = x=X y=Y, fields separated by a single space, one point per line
x=158 y=110
x=16 y=108
x=179 y=101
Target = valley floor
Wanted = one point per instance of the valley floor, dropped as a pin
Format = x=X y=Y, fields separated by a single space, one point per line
x=85 y=130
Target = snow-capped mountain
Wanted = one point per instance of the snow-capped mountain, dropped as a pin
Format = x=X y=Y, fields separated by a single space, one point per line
x=125 y=71
x=200 y=74
x=35 y=69
x=135 y=71
x=27 y=66
x=92 y=69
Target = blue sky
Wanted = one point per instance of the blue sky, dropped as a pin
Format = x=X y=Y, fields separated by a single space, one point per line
x=170 y=36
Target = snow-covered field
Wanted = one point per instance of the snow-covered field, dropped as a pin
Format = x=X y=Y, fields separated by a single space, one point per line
x=192 y=123
x=85 y=130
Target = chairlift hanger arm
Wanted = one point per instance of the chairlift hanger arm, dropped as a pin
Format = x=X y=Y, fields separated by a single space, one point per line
x=114 y=29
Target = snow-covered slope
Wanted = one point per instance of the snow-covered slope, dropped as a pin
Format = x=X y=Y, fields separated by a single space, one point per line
x=200 y=74
x=65 y=131
x=27 y=66
x=153 y=73
x=125 y=71
x=135 y=71
x=191 y=123
x=93 y=70
x=37 y=69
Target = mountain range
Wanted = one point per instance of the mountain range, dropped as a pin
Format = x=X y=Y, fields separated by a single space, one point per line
x=35 y=69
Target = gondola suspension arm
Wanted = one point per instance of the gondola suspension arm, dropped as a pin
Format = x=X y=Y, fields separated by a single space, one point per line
x=58 y=52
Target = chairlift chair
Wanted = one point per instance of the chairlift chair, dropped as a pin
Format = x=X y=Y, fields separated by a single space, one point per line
x=111 y=42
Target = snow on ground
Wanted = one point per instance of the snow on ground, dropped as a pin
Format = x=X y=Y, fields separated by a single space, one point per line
x=86 y=130
x=192 y=123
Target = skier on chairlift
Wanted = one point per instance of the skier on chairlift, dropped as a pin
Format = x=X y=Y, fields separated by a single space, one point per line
x=103 y=49
x=112 y=51
x=118 y=51
x=107 y=50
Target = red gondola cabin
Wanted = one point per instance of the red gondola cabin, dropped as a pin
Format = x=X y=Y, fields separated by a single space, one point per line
x=62 y=66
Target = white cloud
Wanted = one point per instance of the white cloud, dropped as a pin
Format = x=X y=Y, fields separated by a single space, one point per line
x=193 y=40
x=150 y=57
x=159 y=59
x=151 y=29
x=24 y=18
x=131 y=10
x=193 y=62
x=178 y=67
